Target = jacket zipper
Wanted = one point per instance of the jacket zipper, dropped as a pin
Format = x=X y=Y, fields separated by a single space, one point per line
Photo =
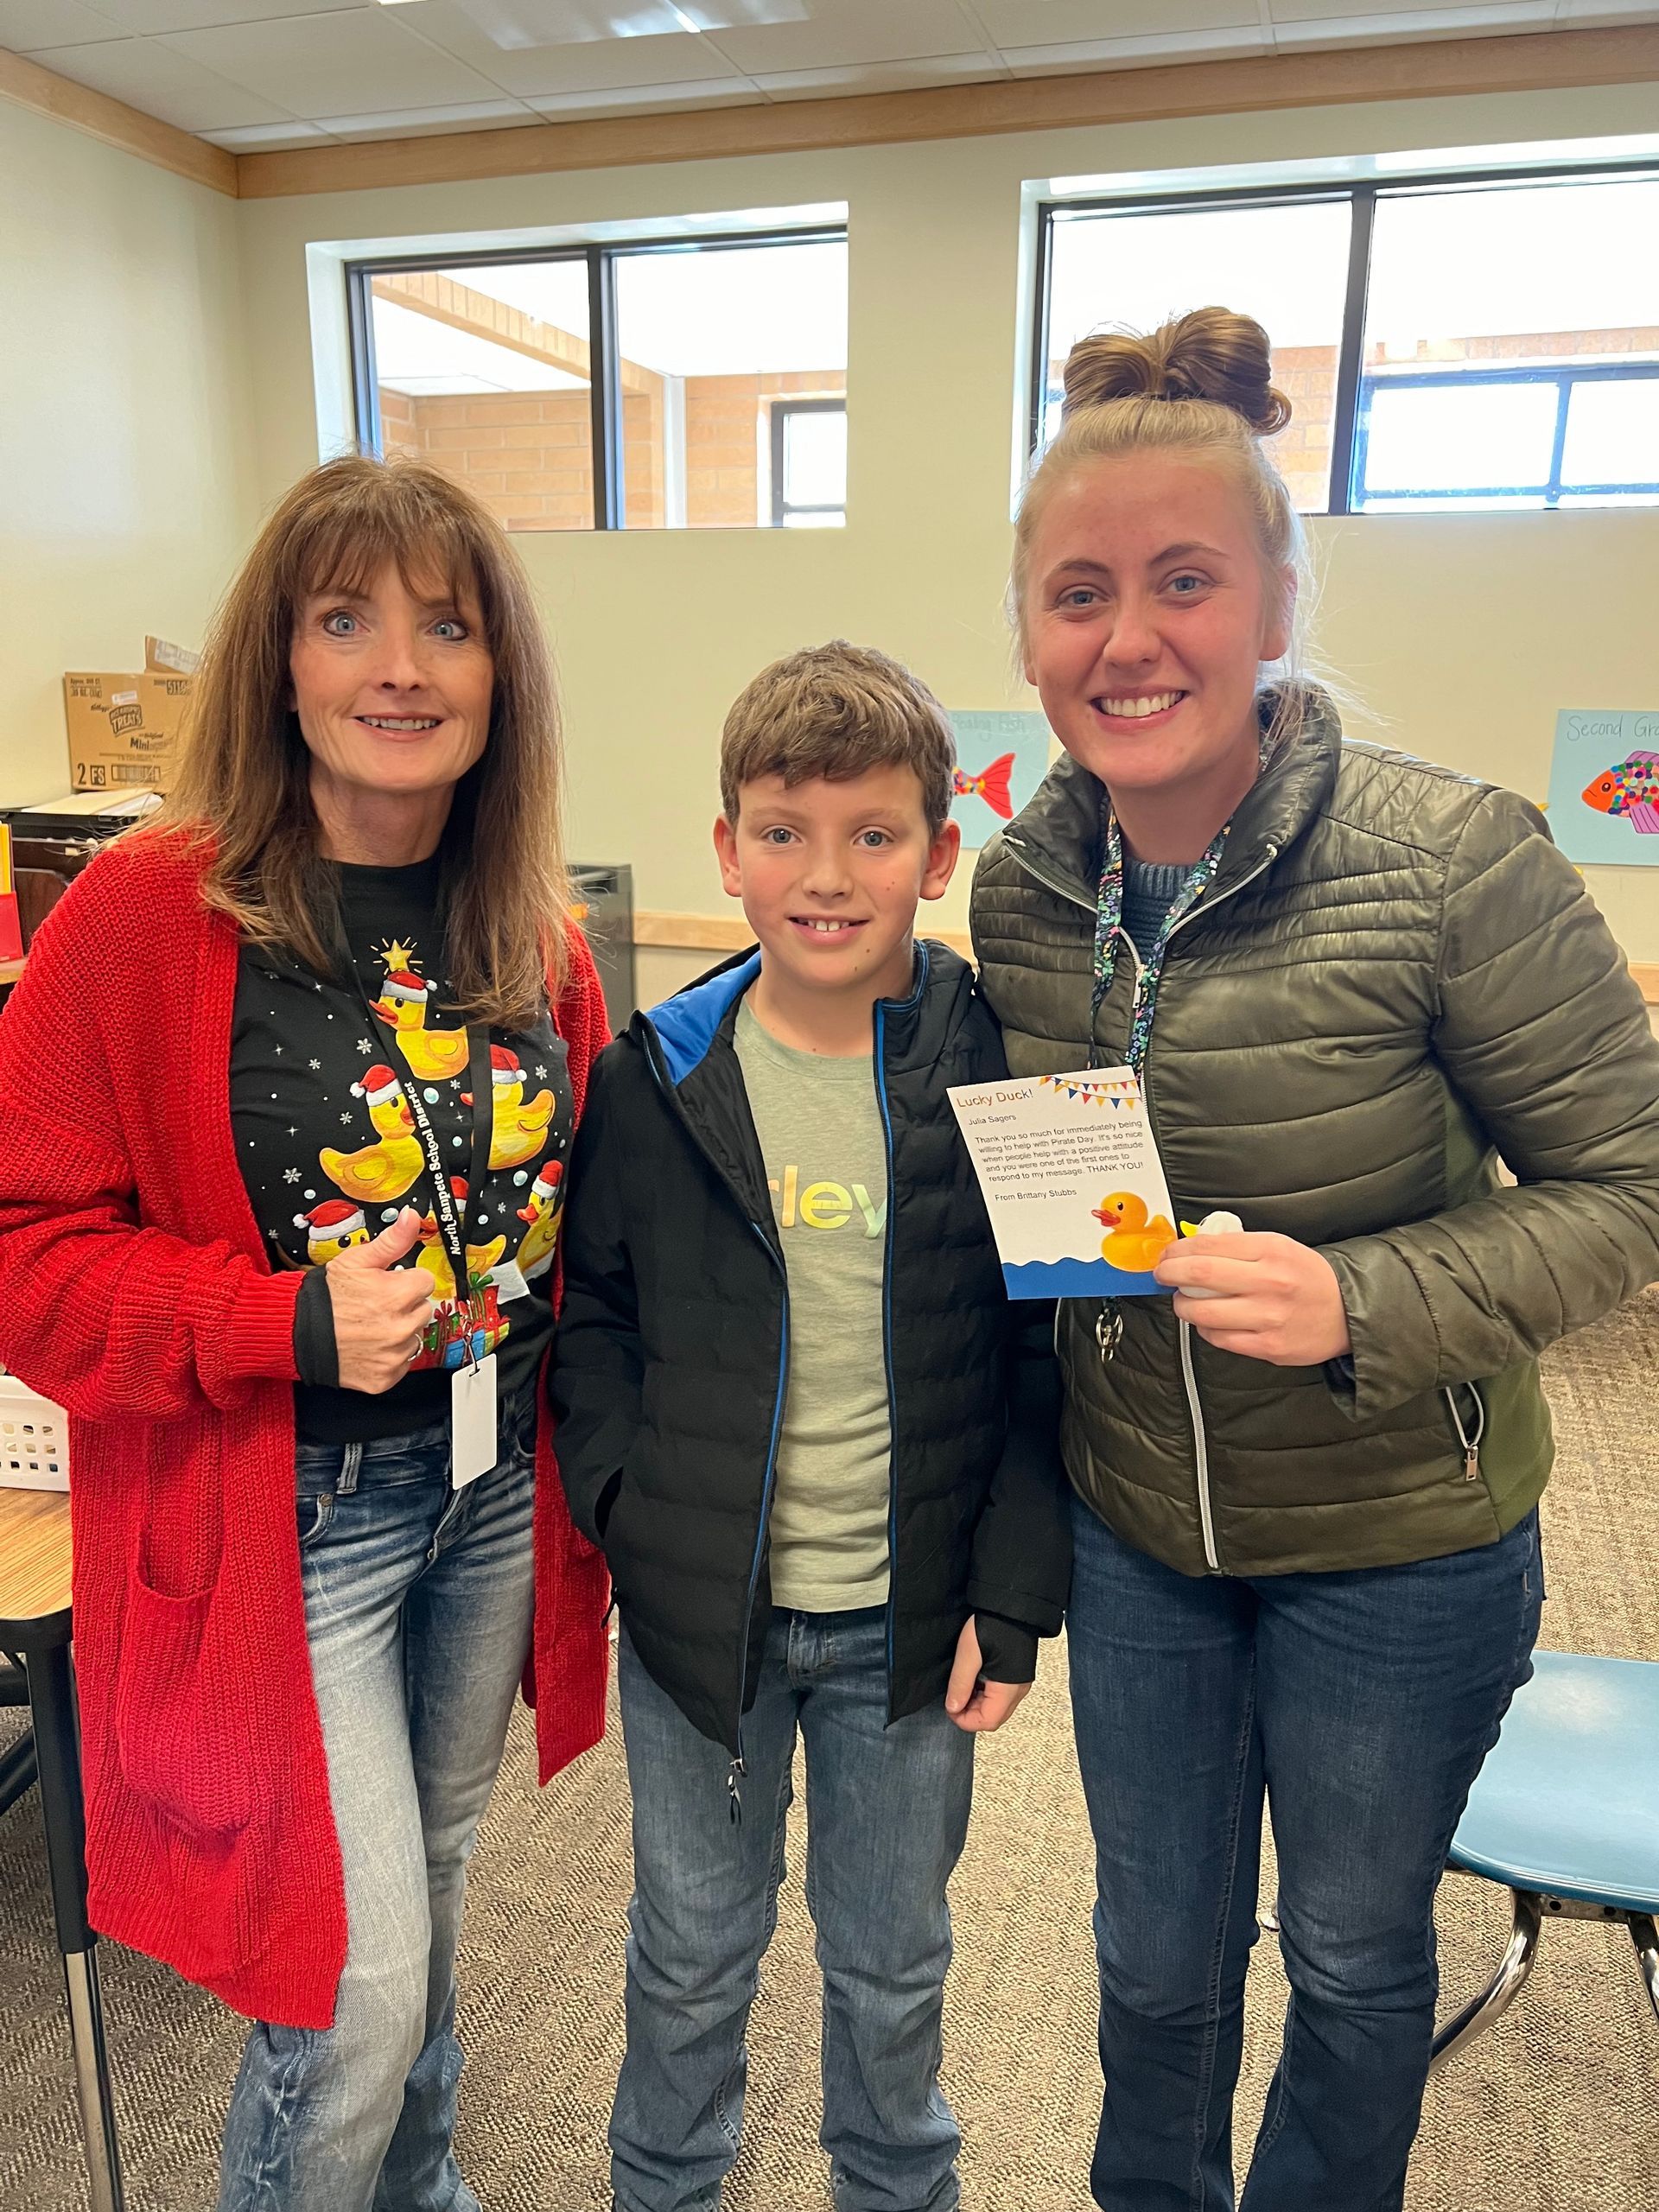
x=880 y=1073
x=1189 y=1377
x=1471 y=1443
x=739 y=1769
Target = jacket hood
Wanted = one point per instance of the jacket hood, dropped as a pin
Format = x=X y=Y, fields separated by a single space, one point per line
x=918 y=1028
x=1058 y=828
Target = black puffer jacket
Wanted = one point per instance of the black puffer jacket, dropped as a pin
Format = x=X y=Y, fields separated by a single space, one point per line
x=672 y=1352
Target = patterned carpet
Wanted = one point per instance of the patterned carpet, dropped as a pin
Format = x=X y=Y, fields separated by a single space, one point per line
x=1556 y=2111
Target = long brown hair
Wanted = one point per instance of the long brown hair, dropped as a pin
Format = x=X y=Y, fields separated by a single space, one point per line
x=244 y=781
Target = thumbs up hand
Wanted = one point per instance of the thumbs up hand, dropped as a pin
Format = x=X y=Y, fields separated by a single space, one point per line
x=380 y=1309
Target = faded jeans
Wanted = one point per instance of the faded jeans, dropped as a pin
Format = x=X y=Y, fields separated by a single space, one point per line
x=418 y=1608
x=1361 y=1705
x=887 y=1817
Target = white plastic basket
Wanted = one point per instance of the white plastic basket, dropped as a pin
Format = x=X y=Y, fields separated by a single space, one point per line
x=34 y=1440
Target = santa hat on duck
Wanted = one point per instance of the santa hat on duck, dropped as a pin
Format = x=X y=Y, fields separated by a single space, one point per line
x=380 y=1086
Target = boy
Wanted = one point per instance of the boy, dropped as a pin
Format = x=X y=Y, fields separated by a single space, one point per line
x=817 y=1444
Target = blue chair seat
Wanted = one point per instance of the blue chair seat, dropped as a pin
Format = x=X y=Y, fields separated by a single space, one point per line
x=1567 y=1802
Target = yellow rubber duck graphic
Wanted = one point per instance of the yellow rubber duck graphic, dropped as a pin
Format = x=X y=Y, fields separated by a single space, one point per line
x=543 y=1211
x=383 y=1171
x=480 y=1258
x=517 y=1131
x=1131 y=1242
x=432 y=1055
x=331 y=1229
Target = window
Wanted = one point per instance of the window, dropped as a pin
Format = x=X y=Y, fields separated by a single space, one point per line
x=1490 y=343
x=637 y=385
x=809 y=463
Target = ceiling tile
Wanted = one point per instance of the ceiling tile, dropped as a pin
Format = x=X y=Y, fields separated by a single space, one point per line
x=420 y=121
x=839 y=31
x=881 y=76
x=148 y=16
x=1342 y=17
x=362 y=61
x=268 y=138
x=175 y=87
x=490 y=36
x=1136 y=52
x=1056 y=23
x=26 y=25
x=1580 y=13
x=648 y=99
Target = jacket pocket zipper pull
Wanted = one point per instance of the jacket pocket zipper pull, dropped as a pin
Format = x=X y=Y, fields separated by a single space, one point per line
x=733 y=1795
x=1471 y=1462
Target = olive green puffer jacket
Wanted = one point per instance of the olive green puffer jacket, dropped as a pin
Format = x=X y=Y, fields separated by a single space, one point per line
x=1395 y=979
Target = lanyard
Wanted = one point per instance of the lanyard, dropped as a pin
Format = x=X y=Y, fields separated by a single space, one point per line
x=1108 y=915
x=450 y=1218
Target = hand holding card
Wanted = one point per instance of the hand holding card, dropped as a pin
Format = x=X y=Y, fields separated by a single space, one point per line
x=1263 y=1296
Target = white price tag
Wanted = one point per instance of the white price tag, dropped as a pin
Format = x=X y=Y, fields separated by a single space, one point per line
x=472 y=1421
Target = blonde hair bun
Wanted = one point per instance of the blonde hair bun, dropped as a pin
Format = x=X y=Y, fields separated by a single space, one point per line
x=1210 y=354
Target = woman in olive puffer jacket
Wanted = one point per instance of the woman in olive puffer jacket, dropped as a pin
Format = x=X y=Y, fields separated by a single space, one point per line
x=1306 y=1522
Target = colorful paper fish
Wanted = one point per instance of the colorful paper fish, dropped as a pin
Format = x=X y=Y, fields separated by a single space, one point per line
x=991 y=784
x=1630 y=788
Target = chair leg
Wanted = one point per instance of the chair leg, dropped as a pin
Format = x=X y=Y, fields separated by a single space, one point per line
x=1645 y=1936
x=1500 y=1992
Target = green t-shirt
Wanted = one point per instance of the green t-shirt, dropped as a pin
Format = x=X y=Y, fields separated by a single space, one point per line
x=820 y=1132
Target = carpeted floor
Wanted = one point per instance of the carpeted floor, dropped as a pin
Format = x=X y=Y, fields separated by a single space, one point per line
x=1556 y=2111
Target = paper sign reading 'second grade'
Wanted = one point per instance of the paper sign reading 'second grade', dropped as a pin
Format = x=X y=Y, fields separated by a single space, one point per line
x=1072 y=1181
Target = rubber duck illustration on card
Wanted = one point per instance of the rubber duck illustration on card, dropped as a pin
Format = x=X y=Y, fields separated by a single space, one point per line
x=1135 y=1241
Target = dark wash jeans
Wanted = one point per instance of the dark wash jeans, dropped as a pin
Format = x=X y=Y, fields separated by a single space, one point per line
x=1361 y=1705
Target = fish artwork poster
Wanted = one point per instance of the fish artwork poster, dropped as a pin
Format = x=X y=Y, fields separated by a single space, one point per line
x=1604 y=787
x=1000 y=759
x=1071 y=1180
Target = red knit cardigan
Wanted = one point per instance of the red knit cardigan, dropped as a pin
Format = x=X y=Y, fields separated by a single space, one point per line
x=134 y=1290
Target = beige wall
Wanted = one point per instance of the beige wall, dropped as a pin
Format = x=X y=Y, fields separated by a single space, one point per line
x=125 y=493
x=1461 y=635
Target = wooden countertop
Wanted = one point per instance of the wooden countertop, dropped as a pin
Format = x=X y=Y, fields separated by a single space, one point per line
x=34 y=1554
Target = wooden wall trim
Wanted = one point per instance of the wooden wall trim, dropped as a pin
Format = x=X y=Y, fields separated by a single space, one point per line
x=1523 y=61
x=1527 y=62
x=731 y=933
x=44 y=92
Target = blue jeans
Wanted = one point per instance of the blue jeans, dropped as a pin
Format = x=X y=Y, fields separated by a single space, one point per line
x=418 y=1608
x=1361 y=1705
x=886 y=1816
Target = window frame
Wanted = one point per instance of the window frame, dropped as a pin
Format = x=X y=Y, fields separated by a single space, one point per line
x=782 y=408
x=1346 y=429
x=605 y=386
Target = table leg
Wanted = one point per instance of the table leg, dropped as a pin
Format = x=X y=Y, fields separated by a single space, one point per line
x=57 y=1744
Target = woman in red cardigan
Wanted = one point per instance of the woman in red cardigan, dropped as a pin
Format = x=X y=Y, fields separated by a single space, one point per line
x=278 y=1212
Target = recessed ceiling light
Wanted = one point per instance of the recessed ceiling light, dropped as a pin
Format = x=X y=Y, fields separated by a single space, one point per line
x=684 y=19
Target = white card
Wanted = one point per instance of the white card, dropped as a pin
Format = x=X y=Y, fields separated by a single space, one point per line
x=1072 y=1182
x=472 y=1421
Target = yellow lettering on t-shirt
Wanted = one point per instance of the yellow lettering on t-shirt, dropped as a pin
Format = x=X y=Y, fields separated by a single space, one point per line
x=790 y=1174
x=825 y=1206
x=874 y=1216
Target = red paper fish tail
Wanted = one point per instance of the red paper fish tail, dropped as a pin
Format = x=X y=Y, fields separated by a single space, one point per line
x=994 y=786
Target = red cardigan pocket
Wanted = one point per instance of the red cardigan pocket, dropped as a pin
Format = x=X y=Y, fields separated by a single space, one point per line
x=171 y=1752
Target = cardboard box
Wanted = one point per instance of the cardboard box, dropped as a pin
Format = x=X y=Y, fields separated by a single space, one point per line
x=124 y=730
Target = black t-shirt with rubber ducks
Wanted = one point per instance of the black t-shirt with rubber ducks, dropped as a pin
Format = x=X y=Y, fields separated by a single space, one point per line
x=330 y=1152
